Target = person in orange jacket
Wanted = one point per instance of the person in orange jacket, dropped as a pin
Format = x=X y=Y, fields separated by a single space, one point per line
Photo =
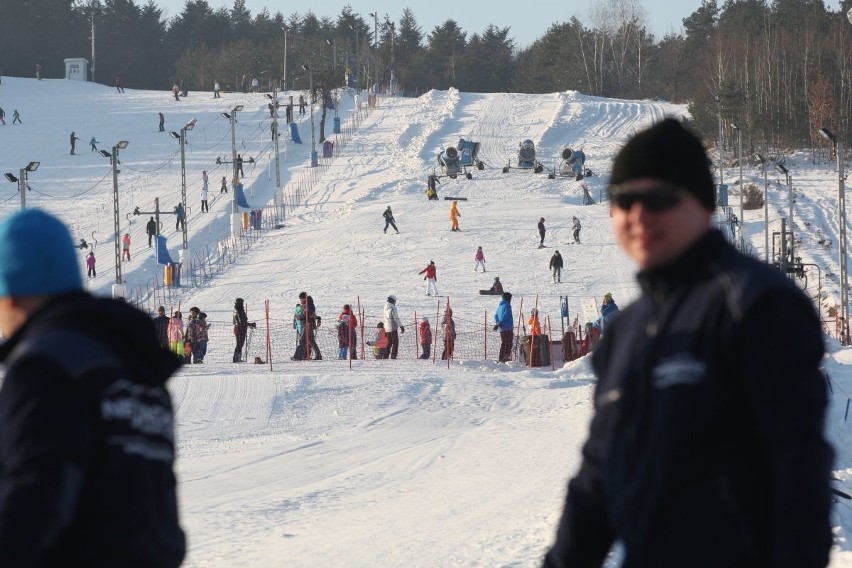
x=454 y=216
x=380 y=345
x=535 y=325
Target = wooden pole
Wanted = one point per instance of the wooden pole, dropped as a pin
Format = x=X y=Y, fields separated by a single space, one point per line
x=435 y=339
x=268 y=336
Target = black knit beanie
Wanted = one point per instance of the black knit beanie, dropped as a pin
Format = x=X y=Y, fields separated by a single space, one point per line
x=669 y=152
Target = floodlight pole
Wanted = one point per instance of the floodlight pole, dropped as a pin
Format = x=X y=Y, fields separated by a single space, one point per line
x=357 y=61
x=182 y=139
x=279 y=201
x=742 y=189
x=118 y=287
x=375 y=16
x=314 y=159
x=22 y=187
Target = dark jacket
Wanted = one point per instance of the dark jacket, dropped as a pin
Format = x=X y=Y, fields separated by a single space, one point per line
x=708 y=426
x=556 y=260
x=87 y=440
x=161 y=325
x=151 y=227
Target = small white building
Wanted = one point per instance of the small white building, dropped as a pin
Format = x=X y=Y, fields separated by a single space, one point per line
x=77 y=69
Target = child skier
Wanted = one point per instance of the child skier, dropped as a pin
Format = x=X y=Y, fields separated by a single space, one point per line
x=480 y=260
x=425 y=337
x=380 y=345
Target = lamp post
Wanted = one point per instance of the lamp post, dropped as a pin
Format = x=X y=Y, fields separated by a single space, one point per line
x=314 y=160
x=284 y=86
x=742 y=189
x=765 y=163
x=21 y=180
x=182 y=139
x=841 y=228
x=357 y=61
x=786 y=172
x=235 y=208
x=278 y=195
x=375 y=16
x=118 y=287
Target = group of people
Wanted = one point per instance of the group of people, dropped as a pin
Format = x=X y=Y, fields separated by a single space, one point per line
x=189 y=341
x=16 y=117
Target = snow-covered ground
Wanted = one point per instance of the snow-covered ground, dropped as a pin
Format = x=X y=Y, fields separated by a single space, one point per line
x=391 y=462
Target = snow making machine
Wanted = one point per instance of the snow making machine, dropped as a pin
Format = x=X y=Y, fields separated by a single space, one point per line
x=468 y=152
x=526 y=159
x=573 y=164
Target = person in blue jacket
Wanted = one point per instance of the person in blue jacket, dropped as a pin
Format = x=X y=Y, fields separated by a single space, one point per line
x=87 y=444
x=707 y=445
x=608 y=310
x=504 y=322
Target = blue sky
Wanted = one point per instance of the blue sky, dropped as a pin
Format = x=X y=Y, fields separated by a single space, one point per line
x=527 y=20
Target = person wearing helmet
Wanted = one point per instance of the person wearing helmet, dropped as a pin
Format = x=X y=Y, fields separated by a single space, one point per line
x=424 y=331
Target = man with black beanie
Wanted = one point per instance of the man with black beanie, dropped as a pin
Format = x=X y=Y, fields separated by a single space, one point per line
x=709 y=406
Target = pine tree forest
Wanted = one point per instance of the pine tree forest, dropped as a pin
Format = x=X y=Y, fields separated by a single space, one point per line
x=779 y=69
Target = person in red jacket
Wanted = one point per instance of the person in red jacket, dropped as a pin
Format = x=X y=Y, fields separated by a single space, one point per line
x=347 y=333
x=431 y=278
x=425 y=333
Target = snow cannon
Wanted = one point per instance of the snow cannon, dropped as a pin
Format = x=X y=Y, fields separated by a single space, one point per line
x=449 y=161
x=526 y=158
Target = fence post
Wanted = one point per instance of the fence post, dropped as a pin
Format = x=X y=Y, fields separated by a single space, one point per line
x=416 y=333
x=435 y=340
x=485 y=336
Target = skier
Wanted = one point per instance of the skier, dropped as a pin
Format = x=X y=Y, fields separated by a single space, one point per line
x=351 y=329
x=576 y=226
x=425 y=333
x=216 y=94
x=504 y=322
x=16 y=118
x=93 y=143
x=151 y=230
x=2 y=116
x=118 y=84
x=480 y=260
x=302 y=104
x=431 y=278
x=180 y=217
x=162 y=122
x=389 y=220
x=125 y=246
x=204 y=206
x=38 y=71
x=90 y=265
x=556 y=266
x=241 y=325
x=224 y=188
x=454 y=216
x=432 y=187
x=73 y=142
x=176 y=91
x=541 y=231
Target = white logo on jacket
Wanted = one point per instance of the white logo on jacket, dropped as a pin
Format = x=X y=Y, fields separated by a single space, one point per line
x=680 y=369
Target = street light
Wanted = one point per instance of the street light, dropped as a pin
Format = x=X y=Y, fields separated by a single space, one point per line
x=786 y=172
x=742 y=189
x=375 y=16
x=278 y=196
x=235 y=208
x=21 y=180
x=314 y=160
x=837 y=145
x=118 y=287
x=182 y=139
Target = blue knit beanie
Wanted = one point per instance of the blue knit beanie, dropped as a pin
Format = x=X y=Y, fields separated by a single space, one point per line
x=37 y=256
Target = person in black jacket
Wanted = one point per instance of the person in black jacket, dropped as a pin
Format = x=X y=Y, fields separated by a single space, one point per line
x=706 y=447
x=86 y=422
x=151 y=230
x=556 y=266
x=161 y=324
x=241 y=325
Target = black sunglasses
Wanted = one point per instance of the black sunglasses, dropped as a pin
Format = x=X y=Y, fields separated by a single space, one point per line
x=656 y=199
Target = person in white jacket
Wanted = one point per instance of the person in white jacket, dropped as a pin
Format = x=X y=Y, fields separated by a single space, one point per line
x=393 y=326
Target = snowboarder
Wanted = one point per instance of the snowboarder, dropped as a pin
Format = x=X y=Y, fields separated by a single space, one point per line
x=454 y=216
x=541 y=231
x=389 y=220
x=425 y=333
x=556 y=264
x=151 y=230
x=90 y=265
x=216 y=93
x=73 y=142
x=302 y=104
x=224 y=188
x=125 y=246
x=432 y=187
x=204 y=206
x=480 y=260
x=431 y=278
x=576 y=226
x=162 y=122
x=497 y=286
x=16 y=117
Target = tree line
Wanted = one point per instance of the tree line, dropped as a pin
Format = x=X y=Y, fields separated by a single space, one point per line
x=779 y=69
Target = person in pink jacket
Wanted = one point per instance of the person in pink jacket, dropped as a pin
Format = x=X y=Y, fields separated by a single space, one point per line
x=176 y=333
x=90 y=265
x=480 y=260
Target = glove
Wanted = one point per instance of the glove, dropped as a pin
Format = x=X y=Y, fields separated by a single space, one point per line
x=401 y=329
x=496 y=327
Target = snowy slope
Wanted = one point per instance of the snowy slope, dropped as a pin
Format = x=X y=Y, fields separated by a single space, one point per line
x=392 y=462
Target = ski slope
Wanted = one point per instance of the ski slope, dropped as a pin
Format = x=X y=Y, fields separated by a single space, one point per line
x=390 y=463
